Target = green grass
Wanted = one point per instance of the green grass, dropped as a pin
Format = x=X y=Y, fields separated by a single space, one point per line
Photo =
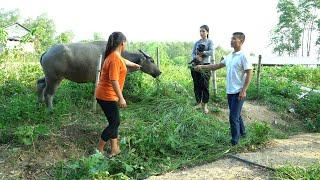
x=292 y=172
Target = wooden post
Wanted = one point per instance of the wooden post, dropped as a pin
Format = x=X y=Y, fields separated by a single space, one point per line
x=214 y=79
x=258 y=76
x=96 y=84
x=158 y=59
x=158 y=65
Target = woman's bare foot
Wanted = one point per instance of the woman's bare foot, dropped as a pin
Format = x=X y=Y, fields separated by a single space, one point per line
x=205 y=109
x=115 y=153
x=101 y=145
x=115 y=149
x=198 y=106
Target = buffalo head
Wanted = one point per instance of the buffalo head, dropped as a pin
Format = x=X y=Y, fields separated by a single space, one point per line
x=148 y=66
x=145 y=61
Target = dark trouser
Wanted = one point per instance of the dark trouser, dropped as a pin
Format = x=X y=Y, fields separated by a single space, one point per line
x=110 y=109
x=235 y=119
x=201 y=85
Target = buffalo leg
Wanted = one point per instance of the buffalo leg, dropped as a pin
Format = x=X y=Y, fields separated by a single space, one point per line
x=41 y=84
x=49 y=90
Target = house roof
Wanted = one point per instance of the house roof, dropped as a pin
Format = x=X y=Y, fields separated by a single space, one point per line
x=16 y=31
x=283 y=60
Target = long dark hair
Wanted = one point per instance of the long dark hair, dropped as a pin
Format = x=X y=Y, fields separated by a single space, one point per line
x=115 y=39
x=206 y=28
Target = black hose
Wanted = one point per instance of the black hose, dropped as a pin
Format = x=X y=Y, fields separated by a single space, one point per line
x=250 y=163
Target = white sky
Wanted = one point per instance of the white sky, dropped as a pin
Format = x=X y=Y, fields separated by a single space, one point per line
x=159 y=20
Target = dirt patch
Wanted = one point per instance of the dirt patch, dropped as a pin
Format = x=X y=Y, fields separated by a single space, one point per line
x=226 y=168
x=37 y=162
x=252 y=111
x=299 y=150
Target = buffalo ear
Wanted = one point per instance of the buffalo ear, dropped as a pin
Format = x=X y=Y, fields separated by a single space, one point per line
x=145 y=54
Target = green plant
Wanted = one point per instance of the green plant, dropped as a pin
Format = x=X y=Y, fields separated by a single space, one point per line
x=28 y=134
x=293 y=172
x=309 y=105
x=3 y=37
x=96 y=166
x=259 y=132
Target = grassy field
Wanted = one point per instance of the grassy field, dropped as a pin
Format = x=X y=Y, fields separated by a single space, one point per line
x=160 y=131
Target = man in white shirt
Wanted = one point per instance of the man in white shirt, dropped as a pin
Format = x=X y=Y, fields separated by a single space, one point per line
x=239 y=74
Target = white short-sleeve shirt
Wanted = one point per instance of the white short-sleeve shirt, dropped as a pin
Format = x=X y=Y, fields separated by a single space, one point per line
x=236 y=64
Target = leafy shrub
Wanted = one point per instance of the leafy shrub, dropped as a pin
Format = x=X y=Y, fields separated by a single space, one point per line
x=309 y=106
x=133 y=86
x=308 y=109
x=259 y=132
x=95 y=166
x=313 y=125
x=28 y=134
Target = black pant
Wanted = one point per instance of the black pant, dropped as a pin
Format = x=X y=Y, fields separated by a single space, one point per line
x=111 y=110
x=201 y=85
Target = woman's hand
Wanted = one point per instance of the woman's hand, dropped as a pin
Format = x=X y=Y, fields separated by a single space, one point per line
x=199 y=57
x=132 y=64
x=200 y=54
x=122 y=103
x=136 y=66
x=197 y=67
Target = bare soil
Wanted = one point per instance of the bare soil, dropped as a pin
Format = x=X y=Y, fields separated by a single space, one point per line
x=36 y=162
x=253 y=111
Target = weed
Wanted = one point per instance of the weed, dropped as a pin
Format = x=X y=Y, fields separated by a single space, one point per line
x=28 y=134
x=292 y=172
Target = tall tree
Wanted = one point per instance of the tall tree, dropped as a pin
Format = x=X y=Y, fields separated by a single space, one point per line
x=308 y=10
x=318 y=39
x=286 y=36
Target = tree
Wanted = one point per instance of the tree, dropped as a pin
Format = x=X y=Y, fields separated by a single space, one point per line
x=307 y=20
x=43 y=29
x=3 y=37
x=297 y=23
x=64 y=37
x=98 y=36
x=8 y=17
x=318 y=39
x=286 y=36
x=220 y=53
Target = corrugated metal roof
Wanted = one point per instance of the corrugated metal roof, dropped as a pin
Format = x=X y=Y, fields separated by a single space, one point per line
x=279 y=60
x=16 y=31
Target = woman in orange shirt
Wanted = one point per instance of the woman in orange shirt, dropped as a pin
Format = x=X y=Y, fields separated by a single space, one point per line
x=109 y=89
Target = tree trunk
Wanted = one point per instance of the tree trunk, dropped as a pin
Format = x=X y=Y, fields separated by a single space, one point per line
x=302 y=44
x=308 y=43
x=309 y=38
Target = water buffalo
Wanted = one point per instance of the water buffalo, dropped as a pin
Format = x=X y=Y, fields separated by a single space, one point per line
x=78 y=62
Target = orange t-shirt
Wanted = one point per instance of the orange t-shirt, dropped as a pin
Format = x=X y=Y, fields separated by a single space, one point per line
x=114 y=68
